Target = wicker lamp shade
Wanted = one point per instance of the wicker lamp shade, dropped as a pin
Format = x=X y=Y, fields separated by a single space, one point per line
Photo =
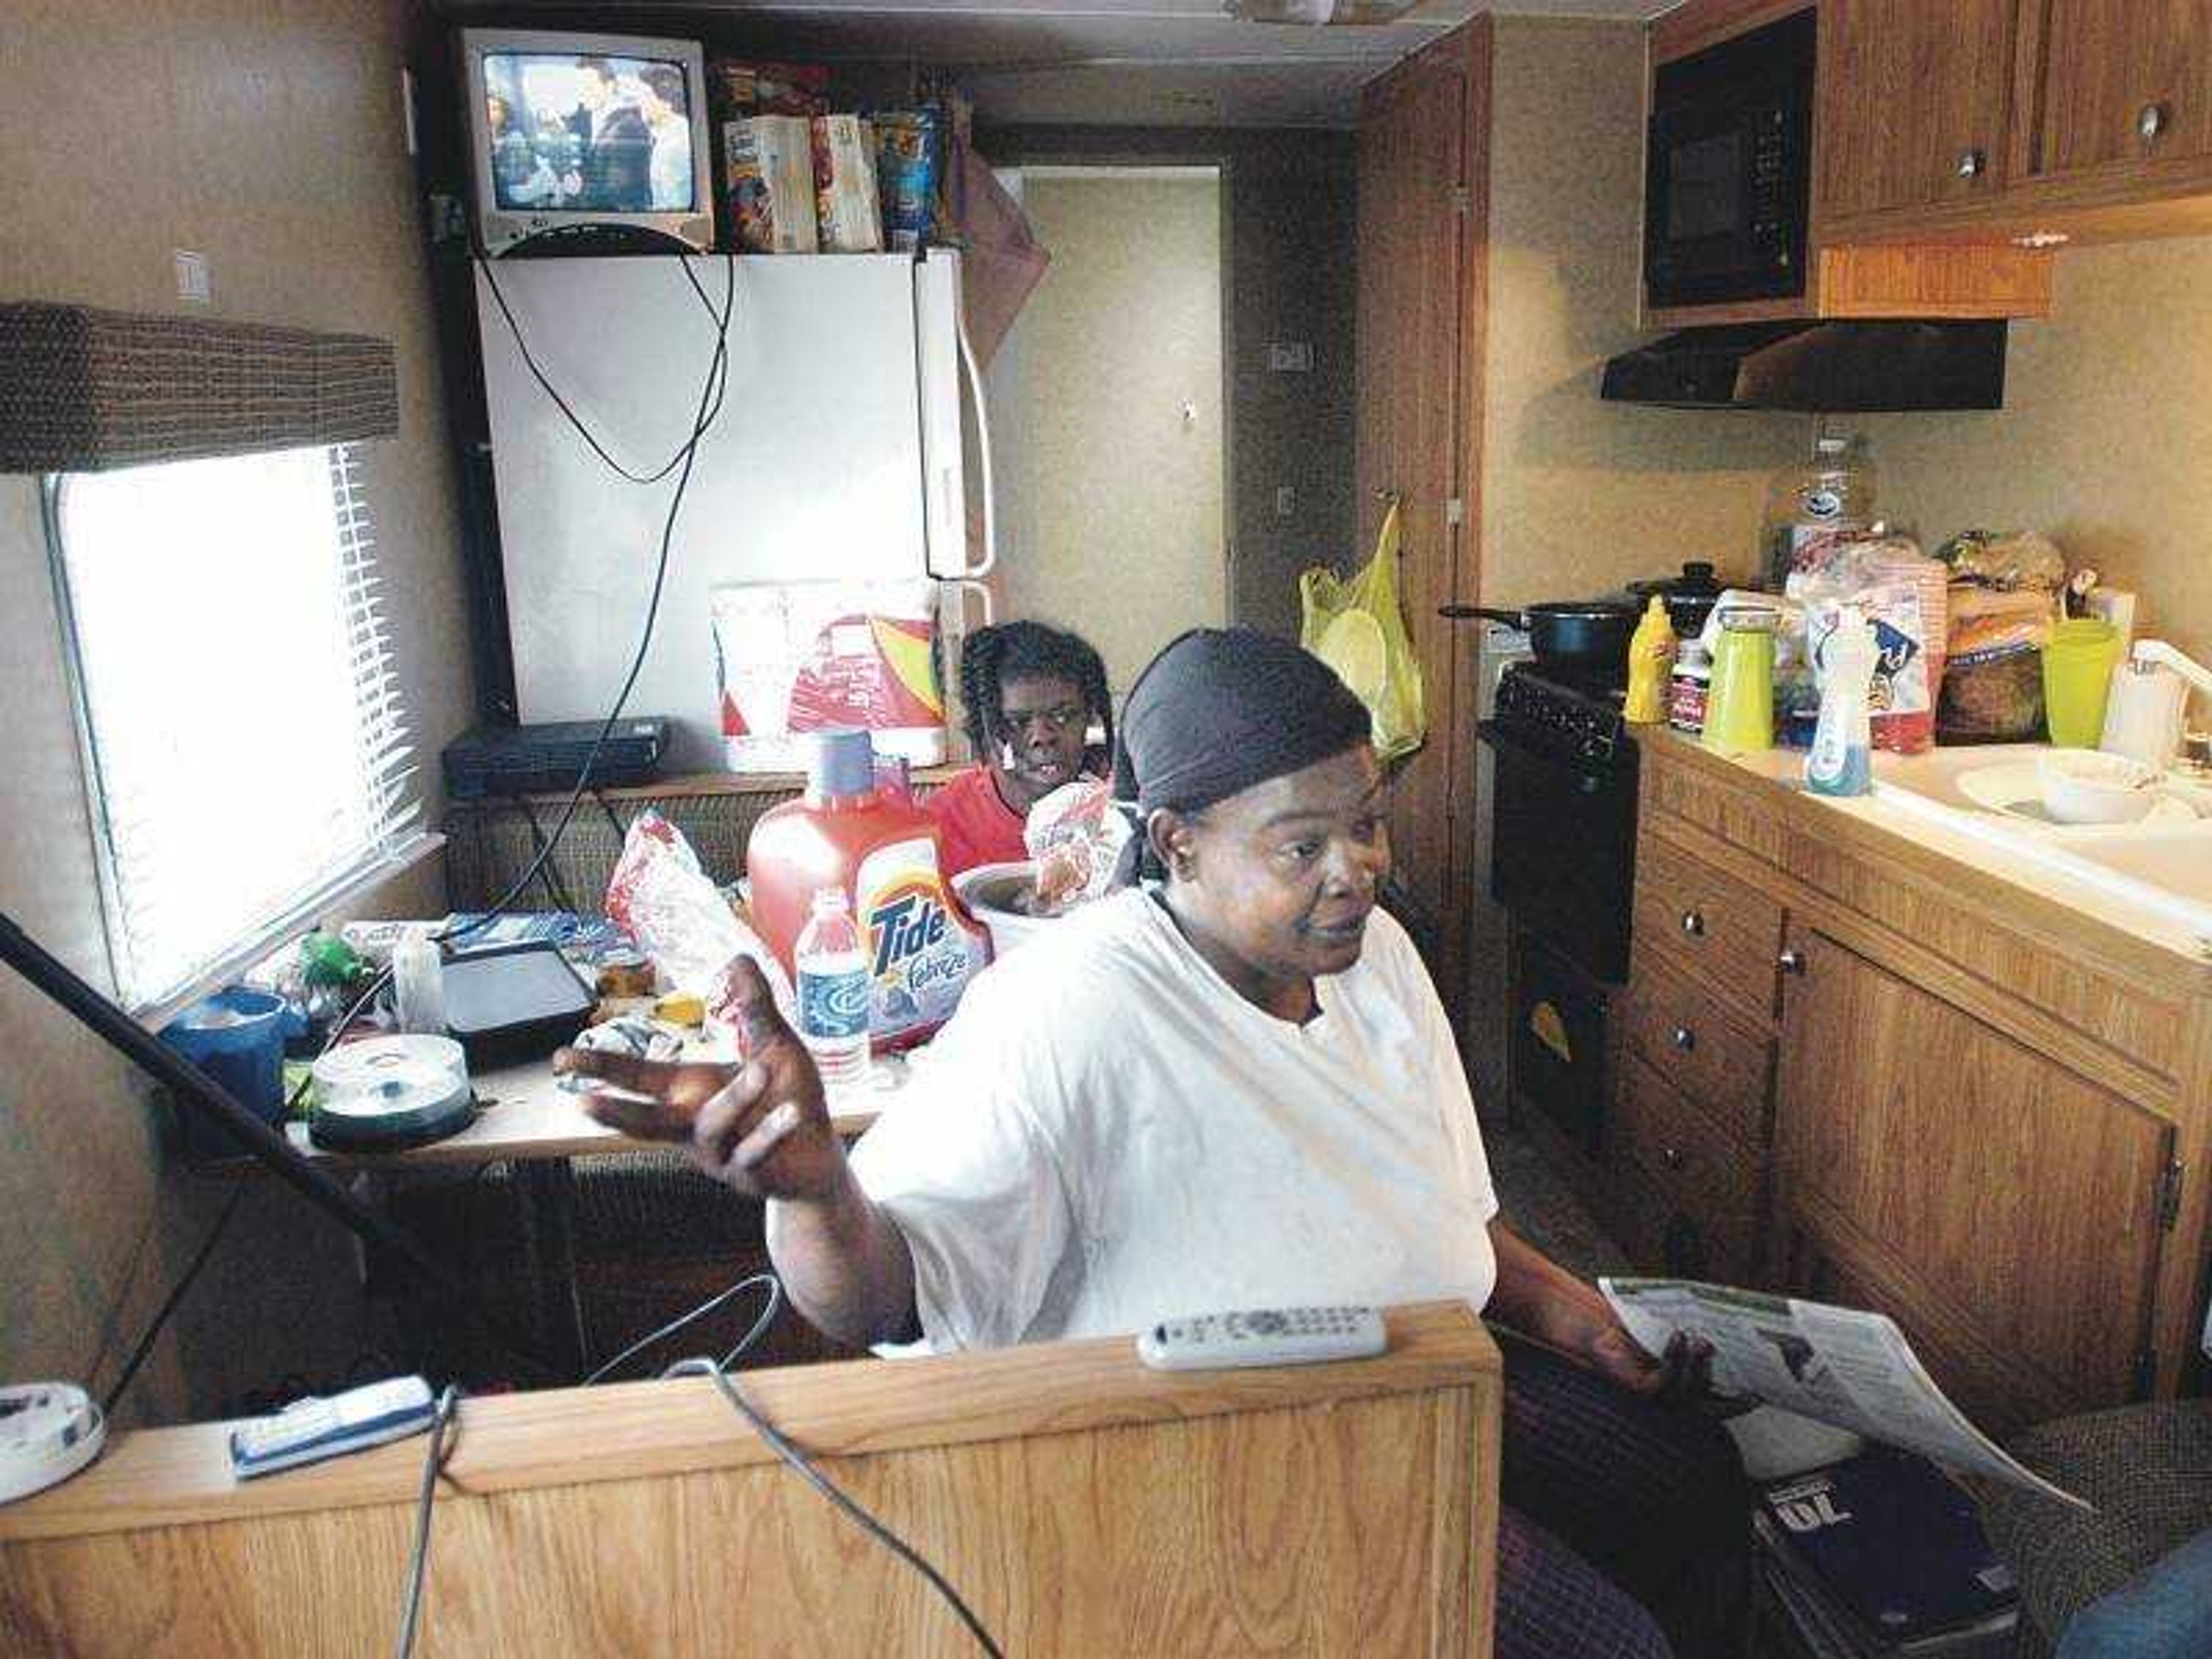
x=83 y=390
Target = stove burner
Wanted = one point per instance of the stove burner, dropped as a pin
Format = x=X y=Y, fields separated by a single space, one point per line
x=1575 y=714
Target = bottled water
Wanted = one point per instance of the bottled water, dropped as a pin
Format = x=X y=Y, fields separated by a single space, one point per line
x=834 y=984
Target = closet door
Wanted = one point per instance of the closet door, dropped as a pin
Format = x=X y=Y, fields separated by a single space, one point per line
x=1422 y=186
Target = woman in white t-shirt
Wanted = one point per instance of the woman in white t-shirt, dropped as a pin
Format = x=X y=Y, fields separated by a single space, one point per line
x=1232 y=1086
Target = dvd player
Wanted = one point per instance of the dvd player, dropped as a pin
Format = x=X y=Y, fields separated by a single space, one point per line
x=545 y=760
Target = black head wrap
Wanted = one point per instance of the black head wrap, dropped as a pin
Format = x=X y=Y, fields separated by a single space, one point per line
x=1220 y=710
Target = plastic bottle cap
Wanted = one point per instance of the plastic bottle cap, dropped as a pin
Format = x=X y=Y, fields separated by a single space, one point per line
x=844 y=764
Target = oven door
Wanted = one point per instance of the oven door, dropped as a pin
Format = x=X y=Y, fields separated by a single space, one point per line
x=1563 y=849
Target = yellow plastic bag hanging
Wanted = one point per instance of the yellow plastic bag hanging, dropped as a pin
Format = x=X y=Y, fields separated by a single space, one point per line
x=1356 y=627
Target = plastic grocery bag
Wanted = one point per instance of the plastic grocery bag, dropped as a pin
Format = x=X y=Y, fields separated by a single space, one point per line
x=1356 y=627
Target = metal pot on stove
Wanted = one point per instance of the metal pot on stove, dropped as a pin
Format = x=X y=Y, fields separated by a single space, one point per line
x=1689 y=597
x=1580 y=634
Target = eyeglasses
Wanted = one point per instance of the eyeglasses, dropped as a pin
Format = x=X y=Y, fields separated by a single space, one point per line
x=1066 y=717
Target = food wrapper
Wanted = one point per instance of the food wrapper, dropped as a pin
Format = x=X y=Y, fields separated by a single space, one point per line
x=2017 y=561
x=663 y=899
x=738 y=88
x=634 y=1035
x=1905 y=596
x=1076 y=835
x=909 y=153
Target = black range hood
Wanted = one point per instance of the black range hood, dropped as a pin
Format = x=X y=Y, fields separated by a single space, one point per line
x=1819 y=367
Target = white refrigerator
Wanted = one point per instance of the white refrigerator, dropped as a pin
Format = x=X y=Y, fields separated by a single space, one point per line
x=837 y=455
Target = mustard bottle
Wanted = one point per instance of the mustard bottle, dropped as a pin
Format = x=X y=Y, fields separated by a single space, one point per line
x=1650 y=655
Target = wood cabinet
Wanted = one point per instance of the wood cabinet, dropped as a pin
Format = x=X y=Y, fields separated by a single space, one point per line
x=1912 y=104
x=1873 y=1074
x=2005 y=125
x=1988 y=1194
x=2116 y=84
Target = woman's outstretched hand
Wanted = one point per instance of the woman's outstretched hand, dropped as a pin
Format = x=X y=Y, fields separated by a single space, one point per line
x=764 y=1127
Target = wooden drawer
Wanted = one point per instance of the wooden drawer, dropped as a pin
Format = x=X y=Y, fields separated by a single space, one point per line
x=1658 y=1135
x=1689 y=916
x=1682 y=1031
x=1661 y=1235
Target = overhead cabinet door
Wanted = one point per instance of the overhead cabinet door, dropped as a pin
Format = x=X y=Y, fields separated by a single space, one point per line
x=1913 y=104
x=2121 y=83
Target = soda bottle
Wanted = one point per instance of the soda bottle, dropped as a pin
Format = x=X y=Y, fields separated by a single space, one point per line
x=831 y=967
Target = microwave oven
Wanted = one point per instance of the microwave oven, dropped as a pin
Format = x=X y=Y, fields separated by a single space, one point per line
x=1729 y=168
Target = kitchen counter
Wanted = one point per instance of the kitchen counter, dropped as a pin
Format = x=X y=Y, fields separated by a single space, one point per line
x=1921 y=1058
x=1982 y=845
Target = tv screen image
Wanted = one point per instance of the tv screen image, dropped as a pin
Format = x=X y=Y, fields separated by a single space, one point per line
x=583 y=133
x=575 y=132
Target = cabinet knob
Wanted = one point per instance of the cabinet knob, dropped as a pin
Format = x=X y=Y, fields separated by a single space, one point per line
x=1684 y=1038
x=1671 y=1157
x=1791 y=961
x=1972 y=163
x=2150 y=122
x=1694 y=923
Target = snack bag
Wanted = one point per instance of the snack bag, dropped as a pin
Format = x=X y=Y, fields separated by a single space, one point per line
x=661 y=896
x=909 y=149
x=1076 y=835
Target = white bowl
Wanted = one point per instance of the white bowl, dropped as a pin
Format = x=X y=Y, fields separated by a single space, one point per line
x=989 y=892
x=2087 y=786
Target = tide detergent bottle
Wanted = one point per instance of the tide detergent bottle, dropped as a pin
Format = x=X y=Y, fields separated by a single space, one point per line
x=882 y=854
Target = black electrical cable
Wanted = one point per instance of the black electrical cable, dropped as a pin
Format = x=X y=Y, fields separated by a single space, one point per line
x=145 y=1345
x=191 y=1085
x=792 y=1455
x=555 y=888
x=443 y=1415
x=703 y=418
x=614 y=820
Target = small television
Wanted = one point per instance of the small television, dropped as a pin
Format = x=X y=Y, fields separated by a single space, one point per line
x=587 y=142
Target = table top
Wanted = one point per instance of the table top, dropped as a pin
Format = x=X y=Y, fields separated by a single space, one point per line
x=524 y=1113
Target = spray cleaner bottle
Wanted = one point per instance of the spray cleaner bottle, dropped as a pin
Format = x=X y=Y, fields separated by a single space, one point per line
x=1840 y=761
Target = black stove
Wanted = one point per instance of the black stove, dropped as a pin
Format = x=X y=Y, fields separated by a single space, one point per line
x=1575 y=715
x=1563 y=864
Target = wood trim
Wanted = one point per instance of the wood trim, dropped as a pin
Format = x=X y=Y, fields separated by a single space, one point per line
x=1098 y=1518
x=1918 y=280
x=1697 y=24
x=570 y=1436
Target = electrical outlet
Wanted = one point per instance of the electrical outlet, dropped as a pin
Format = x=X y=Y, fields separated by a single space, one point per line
x=192 y=281
x=1290 y=357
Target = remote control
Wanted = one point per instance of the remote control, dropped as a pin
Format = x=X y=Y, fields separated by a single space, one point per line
x=1263 y=1336
x=309 y=1429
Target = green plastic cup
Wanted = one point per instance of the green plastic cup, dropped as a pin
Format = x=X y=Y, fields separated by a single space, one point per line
x=2077 y=678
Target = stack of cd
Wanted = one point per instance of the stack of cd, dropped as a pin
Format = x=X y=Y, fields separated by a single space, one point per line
x=389 y=1093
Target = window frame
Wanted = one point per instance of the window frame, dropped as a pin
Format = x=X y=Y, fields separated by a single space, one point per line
x=404 y=843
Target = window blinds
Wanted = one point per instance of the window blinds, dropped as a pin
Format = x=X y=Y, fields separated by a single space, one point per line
x=247 y=750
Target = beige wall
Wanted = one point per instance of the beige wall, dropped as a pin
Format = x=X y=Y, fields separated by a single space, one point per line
x=2104 y=442
x=1580 y=495
x=1120 y=493
x=270 y=140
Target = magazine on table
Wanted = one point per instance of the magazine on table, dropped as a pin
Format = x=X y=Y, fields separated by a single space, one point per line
x=1843 y=1366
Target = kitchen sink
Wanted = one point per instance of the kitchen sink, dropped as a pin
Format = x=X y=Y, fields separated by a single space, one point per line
x=2176 y=860
x=2162 y=863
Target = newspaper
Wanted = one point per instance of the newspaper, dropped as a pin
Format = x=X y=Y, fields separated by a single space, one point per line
x=1850 y=1368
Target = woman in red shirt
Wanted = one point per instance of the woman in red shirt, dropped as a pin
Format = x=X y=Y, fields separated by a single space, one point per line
x=1034 y=696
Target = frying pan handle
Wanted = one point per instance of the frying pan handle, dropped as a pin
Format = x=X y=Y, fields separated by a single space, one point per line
x=1469 y=612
